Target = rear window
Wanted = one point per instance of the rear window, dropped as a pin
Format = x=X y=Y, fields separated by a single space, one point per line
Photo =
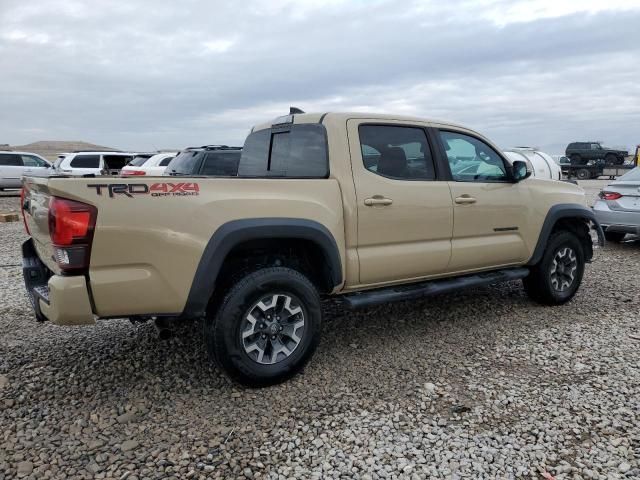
x=10 y=160
x=630 y=176
x=138 y=161
x=86 y=161
x=185 y=163
x=166 y=161
x=296 y=151
x=221 y=163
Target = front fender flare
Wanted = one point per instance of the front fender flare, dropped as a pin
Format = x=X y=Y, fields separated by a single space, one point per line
x=556 y=213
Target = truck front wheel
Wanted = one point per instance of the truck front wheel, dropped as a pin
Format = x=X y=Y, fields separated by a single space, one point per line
x=266 y=328
x=556 y=278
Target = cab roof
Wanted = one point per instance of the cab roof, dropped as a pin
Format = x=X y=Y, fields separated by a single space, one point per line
x=341 y=117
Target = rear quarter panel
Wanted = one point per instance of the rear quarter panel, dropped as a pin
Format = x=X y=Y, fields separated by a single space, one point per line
x=147 y=247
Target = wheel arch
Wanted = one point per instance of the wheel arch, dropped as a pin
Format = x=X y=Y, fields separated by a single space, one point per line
x=238 y=232
x=570 y=217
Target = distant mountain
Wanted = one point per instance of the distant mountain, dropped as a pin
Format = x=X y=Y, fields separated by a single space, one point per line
x=51 y=148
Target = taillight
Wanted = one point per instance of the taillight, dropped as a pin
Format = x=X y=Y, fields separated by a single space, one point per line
x=71 y=226
x=23 y=193
x=133 y=172
x=610 y=195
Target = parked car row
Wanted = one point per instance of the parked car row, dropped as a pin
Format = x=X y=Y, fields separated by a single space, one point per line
x=210 y=160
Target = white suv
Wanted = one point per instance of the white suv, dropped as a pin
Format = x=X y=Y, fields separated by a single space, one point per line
x=96 y=163
x=15 y=165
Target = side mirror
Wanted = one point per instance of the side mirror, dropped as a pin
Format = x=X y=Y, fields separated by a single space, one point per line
x=520 y=171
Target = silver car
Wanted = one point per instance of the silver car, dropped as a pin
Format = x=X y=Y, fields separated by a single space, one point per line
x=15 y=165
x=618 y=208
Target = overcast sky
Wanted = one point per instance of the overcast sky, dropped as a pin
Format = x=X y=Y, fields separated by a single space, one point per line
x=151 y=74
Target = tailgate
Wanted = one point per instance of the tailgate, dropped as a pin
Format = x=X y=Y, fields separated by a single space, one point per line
x=36 y=214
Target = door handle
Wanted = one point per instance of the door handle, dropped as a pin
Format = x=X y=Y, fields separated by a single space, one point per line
x=377 y=200
x=465 y=200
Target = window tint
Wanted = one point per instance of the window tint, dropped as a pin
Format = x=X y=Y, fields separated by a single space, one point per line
x=472 y=160
x=165 y=161
x=221 y=163
x=298 y=151
x=186 y=162
x=86 y=161
x=10 y=160
x=396 y=152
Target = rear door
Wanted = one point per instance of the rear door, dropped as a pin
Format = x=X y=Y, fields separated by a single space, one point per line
x=11 y=168
x=405 y=215
x=490 y=211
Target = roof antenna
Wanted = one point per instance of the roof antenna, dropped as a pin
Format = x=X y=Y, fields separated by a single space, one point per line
x=294 y=110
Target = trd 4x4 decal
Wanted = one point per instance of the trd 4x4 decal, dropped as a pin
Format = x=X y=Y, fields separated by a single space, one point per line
x=163 y=189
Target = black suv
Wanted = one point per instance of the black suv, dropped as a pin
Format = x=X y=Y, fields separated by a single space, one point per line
x=581 y=153
x=209 y=160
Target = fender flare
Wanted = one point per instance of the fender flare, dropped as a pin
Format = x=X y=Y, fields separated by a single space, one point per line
x=235 y=232
x=558 y=212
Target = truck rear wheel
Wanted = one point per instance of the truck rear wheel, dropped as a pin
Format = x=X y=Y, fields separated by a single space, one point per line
x=556 y=278
x=266 y=328
x=583 y=174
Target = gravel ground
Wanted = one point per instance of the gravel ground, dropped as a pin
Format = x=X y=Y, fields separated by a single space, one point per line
x=481 y=384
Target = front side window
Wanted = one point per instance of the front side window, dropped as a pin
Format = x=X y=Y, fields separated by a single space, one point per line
x=401 y=153
x=472 y=160
x=595 y=146
x=166 y=161
x=86 y=161
x=224 y=164
x=294 y=151
x=31 y=161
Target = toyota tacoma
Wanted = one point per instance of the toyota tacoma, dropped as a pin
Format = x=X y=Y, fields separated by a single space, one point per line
x=364 y=208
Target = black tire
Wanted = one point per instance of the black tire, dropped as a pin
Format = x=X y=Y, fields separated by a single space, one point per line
x=583 y=174
x=614 y=236
x=575 y=159
x=611 y=159
x=540 y=285
x=224 y=328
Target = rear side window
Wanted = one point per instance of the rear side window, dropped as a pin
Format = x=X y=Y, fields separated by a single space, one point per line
x=86 y=161
x=400 y=153
x=221 y=164
x=10 y=160
x=292 y=151
x=166 y=161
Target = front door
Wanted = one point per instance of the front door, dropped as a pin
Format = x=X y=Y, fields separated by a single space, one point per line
x=490 y=211
x=405 y=217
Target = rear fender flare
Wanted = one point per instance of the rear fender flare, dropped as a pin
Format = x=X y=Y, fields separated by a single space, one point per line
x=236 y=232
x=559 y=212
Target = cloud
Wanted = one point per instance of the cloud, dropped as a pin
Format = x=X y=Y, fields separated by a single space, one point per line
x=145 y=74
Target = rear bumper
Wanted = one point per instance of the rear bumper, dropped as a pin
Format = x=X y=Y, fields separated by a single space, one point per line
x=615 y=220
x=60 y=299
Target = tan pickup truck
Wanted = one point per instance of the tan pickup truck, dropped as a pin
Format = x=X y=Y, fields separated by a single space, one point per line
x=368 y=208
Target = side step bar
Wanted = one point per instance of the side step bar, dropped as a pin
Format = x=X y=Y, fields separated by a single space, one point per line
x=416 y=291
